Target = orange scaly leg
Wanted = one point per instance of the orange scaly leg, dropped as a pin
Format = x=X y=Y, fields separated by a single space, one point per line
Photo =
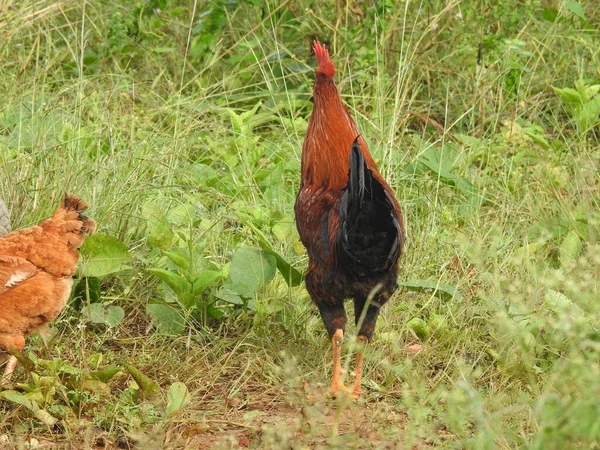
x=360 y=356
x=11 y=365
x=336 y=382
x=45 y=334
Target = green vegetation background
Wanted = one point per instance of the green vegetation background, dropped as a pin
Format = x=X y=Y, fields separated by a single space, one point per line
x=182 y=123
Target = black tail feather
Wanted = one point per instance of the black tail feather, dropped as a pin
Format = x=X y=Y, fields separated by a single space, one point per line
x=356 y=175
x=368 y=239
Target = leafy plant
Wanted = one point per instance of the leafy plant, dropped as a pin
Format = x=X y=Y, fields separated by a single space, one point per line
x=441 y=290
x=582 y=103
x=188 y=279
x=250 y=269
x=447 y=164
x=102 y=255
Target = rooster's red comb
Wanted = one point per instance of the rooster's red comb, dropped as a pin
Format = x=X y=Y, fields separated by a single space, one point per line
x=325 y=64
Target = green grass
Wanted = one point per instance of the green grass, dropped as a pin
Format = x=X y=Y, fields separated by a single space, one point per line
x=182 y=123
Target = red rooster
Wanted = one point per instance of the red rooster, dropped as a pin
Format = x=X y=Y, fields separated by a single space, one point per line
x=348 y=220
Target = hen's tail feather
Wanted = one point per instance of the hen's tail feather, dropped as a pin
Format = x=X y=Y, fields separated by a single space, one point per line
x=72 y=204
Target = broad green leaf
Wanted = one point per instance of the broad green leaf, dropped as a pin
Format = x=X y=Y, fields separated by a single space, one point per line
x=167 y=319
x=577 y=9
x=159 y=229
x=441 y=290
x=105 y=374
x=443 y=162
x=148 y=387
x=36 y=397
x=420 y=328
x=178 y=397
x=90 y=58
x=283 y=230
x=106 y=315
x=550 y=14
x=176 y=282
x=179 y=257
x=205 y=281
x=437 y=324
x=214 y=312
x=559 y=303
x=45 y=417
x=182 y=214
x=466 y=187
x=569 y=96
x=24 y=360
x=518 y=311
x=291 y=275
x=27 y=401
x=570 y=249
x=229 y=296
x=95 y=359
x=188 y=300
x=103 y=255
x=93 y=385
x=537 y=134
x=590 y=91
x=588 y=116
x=87 y=289
x=250 y=269
x=247 y=116
x=440 y=161
x=19 y=399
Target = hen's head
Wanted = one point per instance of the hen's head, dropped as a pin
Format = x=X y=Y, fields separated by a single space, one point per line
x=325 y=64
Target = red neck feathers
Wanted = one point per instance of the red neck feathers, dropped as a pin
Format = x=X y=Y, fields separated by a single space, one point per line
x=331 y=132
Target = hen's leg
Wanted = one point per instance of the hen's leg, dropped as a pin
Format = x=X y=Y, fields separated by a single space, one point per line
x=365 y=333
x=45 y=334
x=14 y=342
x=334 y=318
x=11 y=365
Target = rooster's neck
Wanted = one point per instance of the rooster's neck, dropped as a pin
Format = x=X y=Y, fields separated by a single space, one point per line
x=331 y=132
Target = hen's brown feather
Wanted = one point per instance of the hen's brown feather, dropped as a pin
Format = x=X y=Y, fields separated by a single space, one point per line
x=36 y=269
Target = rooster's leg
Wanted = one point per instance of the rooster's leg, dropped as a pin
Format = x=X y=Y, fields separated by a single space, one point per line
x=11 y=365
x=360 y=355
x=334 y=318
x=366 y=321
x=336 y=381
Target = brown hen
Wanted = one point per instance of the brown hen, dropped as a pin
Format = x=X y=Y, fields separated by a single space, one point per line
x=36 y=269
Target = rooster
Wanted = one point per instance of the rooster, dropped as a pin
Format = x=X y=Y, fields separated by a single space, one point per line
x=36 y=269
x=348 y=220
